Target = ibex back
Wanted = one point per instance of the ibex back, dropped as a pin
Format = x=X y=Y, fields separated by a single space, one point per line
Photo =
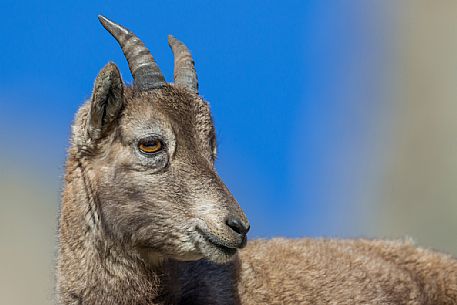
x=145 y=219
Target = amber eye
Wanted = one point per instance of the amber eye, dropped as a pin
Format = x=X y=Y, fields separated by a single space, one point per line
x=150 y=146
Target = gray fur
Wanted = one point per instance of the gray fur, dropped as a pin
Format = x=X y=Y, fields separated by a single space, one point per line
x=153 y=229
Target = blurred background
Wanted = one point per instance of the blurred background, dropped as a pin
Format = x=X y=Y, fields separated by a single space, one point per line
x=335 y=118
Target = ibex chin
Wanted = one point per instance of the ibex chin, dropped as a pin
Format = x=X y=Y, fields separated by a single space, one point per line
x=145 y=219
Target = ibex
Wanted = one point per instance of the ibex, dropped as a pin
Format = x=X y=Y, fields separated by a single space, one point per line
x=145 y=219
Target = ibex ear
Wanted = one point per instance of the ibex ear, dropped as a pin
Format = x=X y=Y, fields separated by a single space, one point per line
x=106 y=103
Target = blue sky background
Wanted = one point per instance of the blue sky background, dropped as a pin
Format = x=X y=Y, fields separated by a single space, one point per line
x=296 y=89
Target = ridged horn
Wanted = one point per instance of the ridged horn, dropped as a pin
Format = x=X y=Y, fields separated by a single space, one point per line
x=146 y=74
x=184 y=72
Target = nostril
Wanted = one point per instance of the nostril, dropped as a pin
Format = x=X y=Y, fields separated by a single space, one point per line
x=237 y=225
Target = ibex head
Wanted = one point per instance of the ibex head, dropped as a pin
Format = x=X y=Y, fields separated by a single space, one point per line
x=148 y=154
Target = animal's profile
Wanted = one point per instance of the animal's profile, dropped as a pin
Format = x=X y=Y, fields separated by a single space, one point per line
x=145 y=219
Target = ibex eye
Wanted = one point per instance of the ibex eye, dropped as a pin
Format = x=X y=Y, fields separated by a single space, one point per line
x=150 y=146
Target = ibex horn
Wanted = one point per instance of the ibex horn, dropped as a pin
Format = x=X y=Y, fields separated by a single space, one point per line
x=184 y=71
x=146 y=74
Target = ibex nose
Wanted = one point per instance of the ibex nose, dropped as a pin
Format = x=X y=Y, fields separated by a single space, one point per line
x=237 y=225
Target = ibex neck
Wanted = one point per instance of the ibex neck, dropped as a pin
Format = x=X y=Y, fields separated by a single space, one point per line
x=93 y=270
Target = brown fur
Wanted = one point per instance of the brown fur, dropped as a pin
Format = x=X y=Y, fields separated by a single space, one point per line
x=152 y=230
x=313 y=271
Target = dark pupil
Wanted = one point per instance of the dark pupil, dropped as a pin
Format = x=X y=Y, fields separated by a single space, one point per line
x=149 y=144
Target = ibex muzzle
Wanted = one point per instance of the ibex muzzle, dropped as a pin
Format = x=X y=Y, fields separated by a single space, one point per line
x=147 y=154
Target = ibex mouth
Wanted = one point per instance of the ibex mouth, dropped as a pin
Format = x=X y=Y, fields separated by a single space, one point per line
x=226 y=250
x=218 y=244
